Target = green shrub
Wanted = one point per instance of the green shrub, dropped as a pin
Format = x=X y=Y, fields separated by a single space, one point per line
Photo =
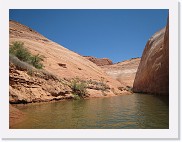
x=104 y=86
x=79 y=88
x=76 y=97
x=20 y=64
x=99 y=85
x=23 y=66
x=17 y=49
x=36 y=61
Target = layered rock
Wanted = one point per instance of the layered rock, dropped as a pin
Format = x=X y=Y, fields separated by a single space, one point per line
x=153 y=72
x=58 y=62
x=124 y=71
x=40 y=86
x=99 y=61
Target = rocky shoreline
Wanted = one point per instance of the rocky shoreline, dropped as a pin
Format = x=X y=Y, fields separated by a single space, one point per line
x=67 y=75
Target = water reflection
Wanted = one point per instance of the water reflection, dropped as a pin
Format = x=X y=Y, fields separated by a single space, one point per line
x=152 y=111
x=121 y=112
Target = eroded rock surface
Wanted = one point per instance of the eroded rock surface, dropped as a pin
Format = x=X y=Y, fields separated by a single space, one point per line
x=153 y=71
x=99 y=61
x=59 y=62
x=124 y=71
x=37 y=87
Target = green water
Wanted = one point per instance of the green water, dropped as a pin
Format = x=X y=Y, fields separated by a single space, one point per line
x=136 y=111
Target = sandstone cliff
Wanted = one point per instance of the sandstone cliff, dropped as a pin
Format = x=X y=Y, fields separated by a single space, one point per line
x=98 y=61
x=60 y=67
x=124 y=71
x=153 y=71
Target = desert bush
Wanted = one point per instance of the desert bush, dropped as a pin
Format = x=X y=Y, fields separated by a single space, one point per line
x=98 y=85
x=20 y=64
x=17 y=49
x=104 y=86
x=126 y=88
x=79 y=88
x=36 y=61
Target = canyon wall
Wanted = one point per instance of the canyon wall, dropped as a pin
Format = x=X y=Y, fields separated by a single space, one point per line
x=153 y=72
x=61 y=66
x=99 y=61
x=123 y=71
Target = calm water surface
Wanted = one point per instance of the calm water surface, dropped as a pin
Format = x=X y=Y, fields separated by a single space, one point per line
x=122 y=112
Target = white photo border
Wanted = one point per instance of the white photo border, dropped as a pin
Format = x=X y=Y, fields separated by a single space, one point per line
x=171 y=133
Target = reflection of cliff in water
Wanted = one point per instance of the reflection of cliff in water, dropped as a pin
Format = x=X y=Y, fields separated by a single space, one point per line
x=163 y=98
x=136 y=111
x=151 y=109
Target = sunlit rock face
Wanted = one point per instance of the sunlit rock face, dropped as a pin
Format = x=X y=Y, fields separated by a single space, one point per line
x=124 y=71
x=153 y=72
x=99 y=62
x=61 y=66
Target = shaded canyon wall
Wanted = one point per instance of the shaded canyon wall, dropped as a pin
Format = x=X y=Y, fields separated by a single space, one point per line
x=153 y=72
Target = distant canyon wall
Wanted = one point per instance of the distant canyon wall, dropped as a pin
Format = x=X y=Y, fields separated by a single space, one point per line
x=99 y=61
x=123 y=71
x=153 y=72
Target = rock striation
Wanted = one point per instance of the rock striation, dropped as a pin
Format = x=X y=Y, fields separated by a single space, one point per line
x=99 y=61
x=124 y=71
x=60 y=66
x=153 y=72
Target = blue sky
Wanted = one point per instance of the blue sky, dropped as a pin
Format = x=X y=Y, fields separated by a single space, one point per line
x=115 y=34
